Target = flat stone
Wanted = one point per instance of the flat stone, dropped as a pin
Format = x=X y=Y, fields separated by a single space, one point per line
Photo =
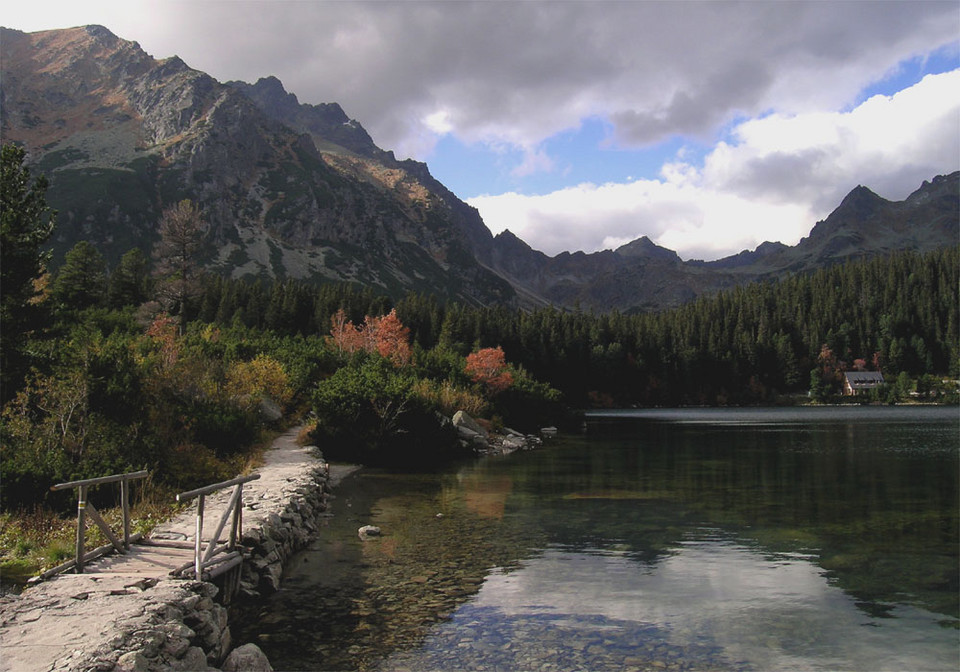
x=463 y=419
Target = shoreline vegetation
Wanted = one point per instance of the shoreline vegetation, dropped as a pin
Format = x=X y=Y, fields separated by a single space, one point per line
x=156 y=364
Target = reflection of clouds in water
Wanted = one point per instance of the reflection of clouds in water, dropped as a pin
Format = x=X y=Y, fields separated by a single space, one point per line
x=778 y=613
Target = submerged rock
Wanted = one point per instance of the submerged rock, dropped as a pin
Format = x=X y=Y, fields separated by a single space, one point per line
x=368 y=531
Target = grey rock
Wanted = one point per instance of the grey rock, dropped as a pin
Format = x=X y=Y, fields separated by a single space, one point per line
x=134 y=661
x=195 y=660
x=463 y=419
x=512 y=443
x=270 y=579
x=247 y=658
x=270 y=410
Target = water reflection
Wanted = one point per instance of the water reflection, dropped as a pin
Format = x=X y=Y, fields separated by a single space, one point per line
x=686 y=540
x=711 y=604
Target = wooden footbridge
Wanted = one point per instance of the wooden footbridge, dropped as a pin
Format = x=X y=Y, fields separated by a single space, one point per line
x=169 y=553
x=103 y=592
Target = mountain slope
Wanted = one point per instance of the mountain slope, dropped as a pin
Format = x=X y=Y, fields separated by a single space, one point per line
x=122 y=135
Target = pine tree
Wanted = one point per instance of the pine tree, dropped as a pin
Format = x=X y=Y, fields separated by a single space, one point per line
x=130 y=281
x=82 y=280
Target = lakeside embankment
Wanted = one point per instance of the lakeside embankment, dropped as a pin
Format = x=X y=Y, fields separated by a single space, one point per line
x=142 y=621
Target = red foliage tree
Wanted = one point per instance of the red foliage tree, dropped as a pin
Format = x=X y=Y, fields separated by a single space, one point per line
x=384 y=335
x=163 y=332
x=488 y=367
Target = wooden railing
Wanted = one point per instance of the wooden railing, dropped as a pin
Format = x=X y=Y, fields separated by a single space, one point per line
x=85 y=508
x=206 y=557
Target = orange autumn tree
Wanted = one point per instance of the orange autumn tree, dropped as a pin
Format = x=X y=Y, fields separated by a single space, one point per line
x=387 y=336
x=344 y=336
x=488 y=366
x=384 y=335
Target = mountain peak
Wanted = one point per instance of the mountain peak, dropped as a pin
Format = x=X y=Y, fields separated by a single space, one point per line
x=293 y=190
x=643 y=247
x=861 y=199
x=326 y=122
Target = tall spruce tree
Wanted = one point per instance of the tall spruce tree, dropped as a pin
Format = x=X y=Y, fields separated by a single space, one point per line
x=177 y=255
x=82 y=280
x=25 y=225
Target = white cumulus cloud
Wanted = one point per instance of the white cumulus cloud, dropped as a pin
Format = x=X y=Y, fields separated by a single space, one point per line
x=772 y=180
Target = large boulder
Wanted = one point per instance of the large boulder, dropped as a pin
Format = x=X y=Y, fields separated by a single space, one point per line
x=463 y=419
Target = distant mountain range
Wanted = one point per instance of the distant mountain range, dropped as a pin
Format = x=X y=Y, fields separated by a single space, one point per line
x=291 y=190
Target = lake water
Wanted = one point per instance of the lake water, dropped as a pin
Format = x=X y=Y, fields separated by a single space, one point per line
x=761 y=539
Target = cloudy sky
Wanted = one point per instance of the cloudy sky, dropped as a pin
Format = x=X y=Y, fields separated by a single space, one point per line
x=708 y=126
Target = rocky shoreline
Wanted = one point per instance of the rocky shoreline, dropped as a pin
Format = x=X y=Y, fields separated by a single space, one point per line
x=484 y=441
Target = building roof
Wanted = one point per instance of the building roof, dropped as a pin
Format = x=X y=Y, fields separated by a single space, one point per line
x=857 y=379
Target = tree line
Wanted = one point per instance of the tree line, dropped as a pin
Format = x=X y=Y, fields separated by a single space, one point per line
x=751 y=344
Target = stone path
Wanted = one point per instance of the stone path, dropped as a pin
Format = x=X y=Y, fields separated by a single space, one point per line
x=61 y=619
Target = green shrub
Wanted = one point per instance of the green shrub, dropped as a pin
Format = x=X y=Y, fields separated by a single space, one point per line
x=223 y=427
x=529 y=404
x=369 y=411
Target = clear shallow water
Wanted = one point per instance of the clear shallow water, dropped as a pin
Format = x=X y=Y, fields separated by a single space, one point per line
x=801 y=539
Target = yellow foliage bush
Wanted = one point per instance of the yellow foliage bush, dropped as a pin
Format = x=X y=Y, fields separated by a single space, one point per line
x=449 y=398
x=248 y=382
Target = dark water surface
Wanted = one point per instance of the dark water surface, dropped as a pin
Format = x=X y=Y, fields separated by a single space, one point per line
x=762 y=539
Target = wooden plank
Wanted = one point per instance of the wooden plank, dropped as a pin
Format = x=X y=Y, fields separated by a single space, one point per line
x=184 y=496
x=167 y=543
x=102 y=479
x=225 y=567
x=206 y=563
x=146 y=561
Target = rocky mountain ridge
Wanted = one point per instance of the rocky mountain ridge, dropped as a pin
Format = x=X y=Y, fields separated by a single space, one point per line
x=293 y=190
x=121 y=136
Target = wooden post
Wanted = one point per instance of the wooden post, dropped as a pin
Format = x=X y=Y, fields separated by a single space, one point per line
x=198 y=543
x=236 y=526
x=81 y=527
x=125 y=505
